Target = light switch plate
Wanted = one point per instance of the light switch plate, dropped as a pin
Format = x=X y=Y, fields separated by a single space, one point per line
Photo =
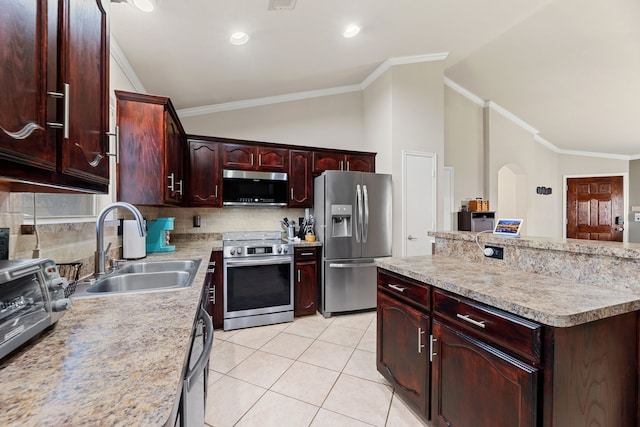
x=636 y=216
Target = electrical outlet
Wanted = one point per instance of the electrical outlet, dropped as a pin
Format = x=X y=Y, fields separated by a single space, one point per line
x=493 y=252
x=636 y=216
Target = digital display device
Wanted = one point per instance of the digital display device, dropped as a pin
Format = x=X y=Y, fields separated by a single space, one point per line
x=508 y=227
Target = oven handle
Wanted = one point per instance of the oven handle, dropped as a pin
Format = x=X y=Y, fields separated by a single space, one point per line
x=195 y=373
x=261 y=261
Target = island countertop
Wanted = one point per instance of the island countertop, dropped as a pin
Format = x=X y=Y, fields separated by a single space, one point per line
x=114 y=360
x=547 y=300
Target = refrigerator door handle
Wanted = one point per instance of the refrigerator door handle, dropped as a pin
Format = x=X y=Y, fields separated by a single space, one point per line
x=358 y=212
x=365 y=225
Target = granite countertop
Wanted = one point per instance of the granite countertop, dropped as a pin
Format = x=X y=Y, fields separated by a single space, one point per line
x=547 y=300
x=580 y=246
x=114 y=360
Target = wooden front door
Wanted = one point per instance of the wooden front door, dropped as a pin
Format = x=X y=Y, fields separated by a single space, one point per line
x=595 y=208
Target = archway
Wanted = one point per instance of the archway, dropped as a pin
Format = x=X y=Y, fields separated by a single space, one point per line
x=512 y=193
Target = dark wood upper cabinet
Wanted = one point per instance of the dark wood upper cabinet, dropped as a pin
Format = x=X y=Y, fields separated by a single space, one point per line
x=84 y=72
x=254 y=157
x=151 y=153
x=203 y=184
x=343 y=161
x=300 y=179
x=54 y=81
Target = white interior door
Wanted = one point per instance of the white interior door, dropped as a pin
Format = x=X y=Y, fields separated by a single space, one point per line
x=418 y=202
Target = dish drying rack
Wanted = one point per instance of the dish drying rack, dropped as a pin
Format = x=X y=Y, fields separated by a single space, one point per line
x=70 y=270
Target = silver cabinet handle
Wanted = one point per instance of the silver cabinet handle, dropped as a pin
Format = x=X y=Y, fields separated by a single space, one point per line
x=23 y=133
x=65 y=114
x=298 y=275
x=180 y=190
x=341 y=165
x=348 y=165
x=410 y=237
x=397 y=288
x=467 y=318
x=251 y=158
x=420 y=345
x=431 y=353
x=172 y=181
x=212 y=294
x=116 y=152
x=216 y=191
x=306 y=254
x=291 y=193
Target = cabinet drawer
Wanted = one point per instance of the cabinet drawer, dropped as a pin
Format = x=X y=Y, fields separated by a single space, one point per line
x=309 y=253
x=505 y=330
x=406 y=289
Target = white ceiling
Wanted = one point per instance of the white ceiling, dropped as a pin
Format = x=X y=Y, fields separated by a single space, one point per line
x=569 y=69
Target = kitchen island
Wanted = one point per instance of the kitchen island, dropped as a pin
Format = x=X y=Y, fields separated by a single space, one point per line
x=116 y=360
x=472 y=341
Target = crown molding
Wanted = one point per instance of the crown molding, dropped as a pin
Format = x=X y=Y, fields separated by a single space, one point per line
x=526 y=126
x=258 y=102
x=297 y=96
x=121 y=59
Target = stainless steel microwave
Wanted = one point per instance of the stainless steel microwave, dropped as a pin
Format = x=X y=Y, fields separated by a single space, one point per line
x=252 y=188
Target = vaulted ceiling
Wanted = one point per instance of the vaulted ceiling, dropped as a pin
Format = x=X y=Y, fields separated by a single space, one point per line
x=568 y=69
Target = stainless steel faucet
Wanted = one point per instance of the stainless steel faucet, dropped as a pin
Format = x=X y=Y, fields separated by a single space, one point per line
x=101 y=255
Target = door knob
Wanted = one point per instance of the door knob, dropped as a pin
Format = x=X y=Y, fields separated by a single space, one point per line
x=410 y=237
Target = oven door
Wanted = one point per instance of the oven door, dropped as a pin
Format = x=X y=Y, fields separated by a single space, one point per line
x=258 y=285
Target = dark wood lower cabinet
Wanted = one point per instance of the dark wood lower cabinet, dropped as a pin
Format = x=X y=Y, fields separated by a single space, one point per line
x=490 y=368
x=214 y=288
x=306 y=281
x=402 y=355
x=474 y=384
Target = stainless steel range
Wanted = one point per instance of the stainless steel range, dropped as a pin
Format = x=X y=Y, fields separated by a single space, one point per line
x=258 y=279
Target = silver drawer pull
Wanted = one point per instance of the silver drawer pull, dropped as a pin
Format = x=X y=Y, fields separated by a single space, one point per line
x=467 y=318
x=396 y=287
x=306 y=254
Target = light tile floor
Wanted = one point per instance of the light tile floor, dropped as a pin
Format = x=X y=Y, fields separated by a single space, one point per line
x=312 y=372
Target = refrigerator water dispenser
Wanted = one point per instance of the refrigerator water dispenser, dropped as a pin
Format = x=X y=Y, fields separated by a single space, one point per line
x=340 y=220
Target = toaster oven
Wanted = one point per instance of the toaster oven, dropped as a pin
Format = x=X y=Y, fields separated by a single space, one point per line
x=31 y=299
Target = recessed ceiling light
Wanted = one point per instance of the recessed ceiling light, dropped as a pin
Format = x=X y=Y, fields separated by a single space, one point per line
x=351 y=31
x=239 y=38
x=144 y=5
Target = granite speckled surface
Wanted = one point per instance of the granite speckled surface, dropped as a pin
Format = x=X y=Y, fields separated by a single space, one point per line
x=547 y=300
x=115 y=360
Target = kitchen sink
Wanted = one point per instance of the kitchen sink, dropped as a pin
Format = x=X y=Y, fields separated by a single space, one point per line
x=142 y=277
x=158 y=266
x=141 y=281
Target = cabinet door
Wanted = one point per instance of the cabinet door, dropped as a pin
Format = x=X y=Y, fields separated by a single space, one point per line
x=84 y=68
x=173 y=160
x=360 y=163
x=238 y=156
x=272 y=159
x=300 y=179
x=204 y=177
x=24 y=103
x=306 y=281
x=402 y=353
x=475 y=385
x=214 y=283
x=327 y=160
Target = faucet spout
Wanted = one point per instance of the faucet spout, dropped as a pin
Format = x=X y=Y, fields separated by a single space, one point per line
x=100 y=259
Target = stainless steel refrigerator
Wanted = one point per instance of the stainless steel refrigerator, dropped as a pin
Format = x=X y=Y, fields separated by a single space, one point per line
x=352 y=212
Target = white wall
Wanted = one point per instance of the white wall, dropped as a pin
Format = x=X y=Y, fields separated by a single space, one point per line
x=333 y=121
x=463 y=148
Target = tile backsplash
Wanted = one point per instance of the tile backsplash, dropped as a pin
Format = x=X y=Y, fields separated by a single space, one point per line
x=70 y=242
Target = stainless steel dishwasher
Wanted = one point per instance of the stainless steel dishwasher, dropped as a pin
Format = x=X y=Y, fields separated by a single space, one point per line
x=194 y=386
